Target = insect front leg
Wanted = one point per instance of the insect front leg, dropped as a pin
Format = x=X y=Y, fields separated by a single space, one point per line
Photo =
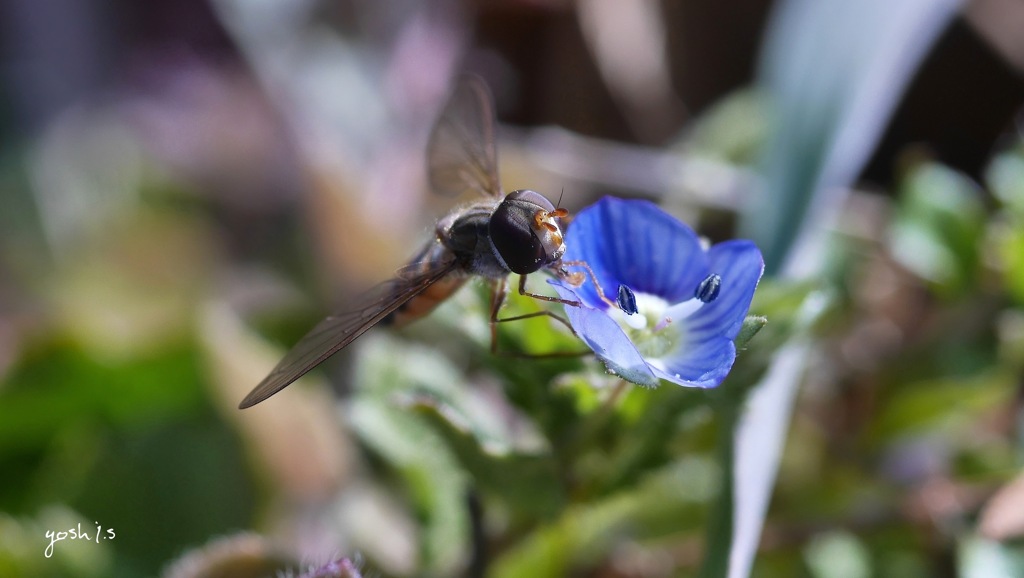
x=523 y=291
x=593 y=278
x=498 y=294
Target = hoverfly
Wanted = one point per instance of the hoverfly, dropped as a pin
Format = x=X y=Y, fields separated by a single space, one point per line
x=491 y=238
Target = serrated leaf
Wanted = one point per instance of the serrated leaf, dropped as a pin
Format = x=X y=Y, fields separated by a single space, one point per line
x=431 y=473
x=433 y=478
x=530 y=484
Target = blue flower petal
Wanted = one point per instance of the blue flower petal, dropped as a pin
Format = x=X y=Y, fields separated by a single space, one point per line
x=637 y=244
x=700 y=364
x=708 y=353
x=634 y=243
x=602 y=334
x=740 y=265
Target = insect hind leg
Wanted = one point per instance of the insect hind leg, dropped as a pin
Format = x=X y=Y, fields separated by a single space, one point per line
x=498 y=294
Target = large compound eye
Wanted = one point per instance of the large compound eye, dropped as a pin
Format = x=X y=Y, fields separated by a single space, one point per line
x=533 y=197
x=518 y=240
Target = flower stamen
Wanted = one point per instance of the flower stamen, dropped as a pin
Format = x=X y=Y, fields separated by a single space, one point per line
x=626 y=300
x=708 y=289
x=664 y=323
x=667 y=314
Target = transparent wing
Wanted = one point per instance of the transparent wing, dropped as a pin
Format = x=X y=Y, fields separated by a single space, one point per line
x=461 y=154
x=337 y=331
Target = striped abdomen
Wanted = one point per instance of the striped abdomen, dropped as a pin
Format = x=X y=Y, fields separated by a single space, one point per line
x=433 y=256
x=426 y=301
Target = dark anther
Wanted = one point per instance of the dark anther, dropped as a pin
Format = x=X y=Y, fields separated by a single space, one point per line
x=626 y=300
x=707 y=290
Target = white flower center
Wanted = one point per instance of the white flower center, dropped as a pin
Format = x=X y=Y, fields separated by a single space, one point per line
x=656 y=329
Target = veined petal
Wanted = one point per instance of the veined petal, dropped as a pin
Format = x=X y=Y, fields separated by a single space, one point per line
x=698 y=363
x=740 y=266
x=687 y=340
x=637 y=244
x=602 y=334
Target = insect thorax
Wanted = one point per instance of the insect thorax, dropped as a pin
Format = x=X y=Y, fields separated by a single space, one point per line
x=466 y=235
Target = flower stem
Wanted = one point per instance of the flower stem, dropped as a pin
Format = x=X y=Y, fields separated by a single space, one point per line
x=719 y=529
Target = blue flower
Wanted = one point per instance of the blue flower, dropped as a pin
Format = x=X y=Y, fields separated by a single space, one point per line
x=687 y=302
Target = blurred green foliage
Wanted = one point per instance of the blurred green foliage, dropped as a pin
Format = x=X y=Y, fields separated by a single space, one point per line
x=133 y=446
x=117 y=399
x=904 y=432
x=938 y=227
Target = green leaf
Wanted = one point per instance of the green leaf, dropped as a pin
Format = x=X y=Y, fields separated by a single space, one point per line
x=645 y=444
x=838 y=554
x=943 y=404
x=433 y=479
x=665 y=503
x=938 y=227
x=529 y=484
x=833 y=72
x=1005 y=177
x=982 y=558
x=752 y=325
x=733 y=129
x=58 y=383
x=1009 y=241
x=436 y=484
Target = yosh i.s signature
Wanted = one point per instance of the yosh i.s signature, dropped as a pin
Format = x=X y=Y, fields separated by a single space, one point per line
x=76 y=533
